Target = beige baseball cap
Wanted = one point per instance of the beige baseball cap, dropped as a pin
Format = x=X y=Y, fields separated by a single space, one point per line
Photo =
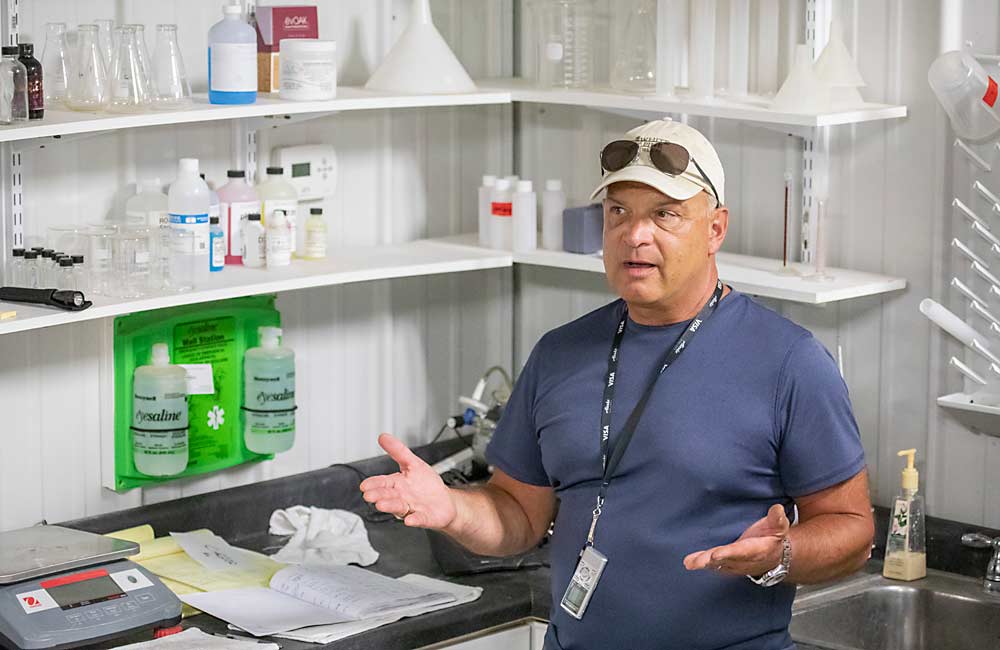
x=683 y=186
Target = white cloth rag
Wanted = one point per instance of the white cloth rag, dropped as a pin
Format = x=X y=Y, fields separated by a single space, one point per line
x=194 y=639
x=322 y=536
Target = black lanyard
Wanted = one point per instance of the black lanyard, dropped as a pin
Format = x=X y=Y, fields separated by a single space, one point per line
x=611 y=457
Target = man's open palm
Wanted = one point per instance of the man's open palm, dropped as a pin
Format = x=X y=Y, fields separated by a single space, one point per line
x=757 y=551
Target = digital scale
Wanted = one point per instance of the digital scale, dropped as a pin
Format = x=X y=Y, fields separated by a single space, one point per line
x=65 y=588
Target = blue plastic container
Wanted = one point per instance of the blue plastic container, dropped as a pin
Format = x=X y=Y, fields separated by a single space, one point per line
x=232 y=59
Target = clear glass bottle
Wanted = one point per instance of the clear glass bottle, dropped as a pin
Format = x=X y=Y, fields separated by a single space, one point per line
x=30 y=277
x=36 y=92
x=142 y=49
x=128 y=88
x=55 y=64
x=565 y=32
x=65 y=278
x=106 y=38
x=170 y=86
x=14 y=80
x=315 y=247
x=88 y=84
x=14 y=277
x=634 y=69
x=82 y=277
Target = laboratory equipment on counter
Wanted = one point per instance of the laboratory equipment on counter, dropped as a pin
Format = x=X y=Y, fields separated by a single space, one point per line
x=188 y=203
x=160 y=416
x=55 y=64
x=148 y=206
x=170 y=88
x=254 y=248
x=308 y=69
x=237 y=200
x=524 y=214
x=217 y=245
x=145 y=61
x=87 y=87
x=485 y=195
x=66 y=588
x=279 y=240
x=967 y=93
x=316 y=230
x=276 y=193
x=312 y=170
x=232 y=59
x=65 y=278
x=269 y=394
x=213 y=199
x=836 y=68
x=128 y=89
x=105 y=32
x=905 y=555
x=36 y=90
x=553 y=204
x=634 y=68
x=29 y=273
x=14 y=77
x=501 y=226
x=275 y=26
x=14 y=273
x=803 y=90
x=565 y=34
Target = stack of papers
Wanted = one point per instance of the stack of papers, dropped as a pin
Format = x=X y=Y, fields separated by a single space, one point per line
x=304 y=596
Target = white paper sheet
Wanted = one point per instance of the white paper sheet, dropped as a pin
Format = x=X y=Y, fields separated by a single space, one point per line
x=211 y=551
x=194 y=638
x=261 y=611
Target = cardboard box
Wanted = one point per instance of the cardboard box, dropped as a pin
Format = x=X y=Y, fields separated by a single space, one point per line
x=274 y=24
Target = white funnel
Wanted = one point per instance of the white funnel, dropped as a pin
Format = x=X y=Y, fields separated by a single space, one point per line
x=837 y=68
x=421 y=62
x=803 y=91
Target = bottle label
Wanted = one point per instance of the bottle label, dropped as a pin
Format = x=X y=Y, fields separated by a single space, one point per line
x=232 y=67
x=900 y=519
x=160 y=424
x=254 y=251
x=501 y=209
x=279 y=248
x=270 y=399
x=235 y=218
x=195 y=223
x=316 y=243
x=218 y=259
x=290 y=206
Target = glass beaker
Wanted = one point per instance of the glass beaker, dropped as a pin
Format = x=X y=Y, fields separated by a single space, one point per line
x=100 y=259
x=128 y=89
x=13 y=87
x=634 y=69
x=143 y=52
x=88 y=84
x=130 y=262
x=105 y=38
x=66 y=238
x=170 y=87
x=565 y=34
x=55 y=64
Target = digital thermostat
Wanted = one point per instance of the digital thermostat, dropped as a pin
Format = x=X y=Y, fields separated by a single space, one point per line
x=312 y=169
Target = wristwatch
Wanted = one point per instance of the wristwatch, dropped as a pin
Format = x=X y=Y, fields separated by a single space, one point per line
x=778 y=573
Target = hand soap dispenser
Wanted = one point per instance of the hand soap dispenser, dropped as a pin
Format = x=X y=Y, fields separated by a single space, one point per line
x=905 y=556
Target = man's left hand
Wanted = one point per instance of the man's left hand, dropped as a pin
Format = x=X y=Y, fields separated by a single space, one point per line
x=757 y=551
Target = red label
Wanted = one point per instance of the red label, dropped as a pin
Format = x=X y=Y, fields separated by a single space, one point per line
x=991 y=92
x=76 y=577
x=501 y=209
x=32 y=602
x=276 y=23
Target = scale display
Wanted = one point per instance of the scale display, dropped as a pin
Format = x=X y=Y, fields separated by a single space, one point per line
x=83 y=589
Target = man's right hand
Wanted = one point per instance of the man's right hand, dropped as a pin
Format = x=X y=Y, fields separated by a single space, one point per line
x=415 y=493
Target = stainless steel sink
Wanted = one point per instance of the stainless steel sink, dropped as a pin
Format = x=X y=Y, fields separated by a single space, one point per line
x=940 y=612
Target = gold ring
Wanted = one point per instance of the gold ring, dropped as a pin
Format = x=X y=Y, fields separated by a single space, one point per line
x=409 y=511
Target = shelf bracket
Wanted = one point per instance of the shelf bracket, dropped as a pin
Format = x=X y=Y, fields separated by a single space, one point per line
x=273 y=121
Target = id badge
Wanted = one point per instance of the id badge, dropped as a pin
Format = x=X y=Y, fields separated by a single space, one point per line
x=584 y=582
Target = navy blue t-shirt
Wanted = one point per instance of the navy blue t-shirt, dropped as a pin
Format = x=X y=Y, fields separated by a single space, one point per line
x=753 y=413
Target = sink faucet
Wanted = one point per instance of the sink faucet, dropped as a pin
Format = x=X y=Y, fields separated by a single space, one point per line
x=991 y=583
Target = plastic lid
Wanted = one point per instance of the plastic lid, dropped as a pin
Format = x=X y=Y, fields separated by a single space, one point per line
x=502 y=184
x=275 y=171
x=38 y=249
x=911 y=477
x=512 y=179
x=278 y=218
x=30 y=255
x=78 y=259
x=232 y=10
x=9 y=50
x=47 y=252
x=18 y=252
x=553 y=185
x=213 y=220
x=188 y=165
x=253 y=216
x=161 y=354
x=315 y=210
x=270 y=337
x=524 y=186
x=236 y=173
x=26 y=48
x=489 y=180
x=66 y=261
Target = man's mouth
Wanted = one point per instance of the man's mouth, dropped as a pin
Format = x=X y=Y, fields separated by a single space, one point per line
x=637 y=264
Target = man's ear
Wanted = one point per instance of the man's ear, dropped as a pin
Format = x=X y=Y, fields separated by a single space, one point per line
x=718 y=226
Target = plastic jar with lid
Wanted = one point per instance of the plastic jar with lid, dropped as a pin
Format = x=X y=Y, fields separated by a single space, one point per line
x=308 y=69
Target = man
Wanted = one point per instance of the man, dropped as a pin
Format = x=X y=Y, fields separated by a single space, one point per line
x=735 y=413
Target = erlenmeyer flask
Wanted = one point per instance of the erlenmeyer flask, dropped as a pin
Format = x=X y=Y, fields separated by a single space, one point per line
x=144 y=58
x=105 y=39
x=87 y=89
x=128 y=89
x=55 y=64
x=634 y=70
x=170 y=83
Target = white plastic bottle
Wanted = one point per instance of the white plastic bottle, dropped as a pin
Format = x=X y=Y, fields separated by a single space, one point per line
x=279 y=240
x=148 y=207
x=232 y=59
x=524 y=213
x=187 y=203
x=254 y=247
x=501 y=226
x=213 y=200
x=160 y=416
x=315 y=235
x=276 y=193
x=237 y=200
x=485 y=195
x=553 y=204
x=269 y=397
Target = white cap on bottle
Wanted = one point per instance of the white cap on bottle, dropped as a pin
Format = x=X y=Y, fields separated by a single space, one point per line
x=553 y=185
x=502 y=184
x=489 y=180
x=524 y=186
x=232 y=9
x=188 y=165
x=270 y=337
x=161 y=354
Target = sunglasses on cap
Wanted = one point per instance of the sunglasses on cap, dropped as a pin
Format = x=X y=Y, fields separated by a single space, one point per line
x=668 y=157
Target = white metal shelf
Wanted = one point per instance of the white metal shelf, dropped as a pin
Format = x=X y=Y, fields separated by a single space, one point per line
x=65 y=122
x=344 y=266
x=979 y=412
x=753 y=110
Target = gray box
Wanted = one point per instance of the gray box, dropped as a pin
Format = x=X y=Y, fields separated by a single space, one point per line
x=583 y=229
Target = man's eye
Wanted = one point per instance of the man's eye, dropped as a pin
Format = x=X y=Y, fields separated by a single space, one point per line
x=617 y=210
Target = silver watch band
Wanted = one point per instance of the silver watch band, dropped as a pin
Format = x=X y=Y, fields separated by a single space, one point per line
x=778 y=573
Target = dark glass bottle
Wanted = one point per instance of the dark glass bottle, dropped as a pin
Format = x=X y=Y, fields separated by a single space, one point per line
x=36 y=93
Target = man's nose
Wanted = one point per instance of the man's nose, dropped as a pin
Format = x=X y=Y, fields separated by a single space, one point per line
x=638 y=231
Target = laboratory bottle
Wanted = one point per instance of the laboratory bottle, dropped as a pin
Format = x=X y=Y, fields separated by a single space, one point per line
x=80 y=270
x=237 y=199
x=232 y=59
x=634 y=30
x=128 y=85
x=905 y=550
x=217 y=244
x=315 y=248
x=169 y=86
x=87 y=85
x=553 y=204
x=187 y=203
x=36 y=92
x=14 y=275
x=279 y=240
x=276 y=193
x=565 y=54
x=269 y=400
x=55 y=63
x=45 y=268
x=30 y=273
x=14 y=79
x=524 y=214
x=501 y=228
x=254 y=250
x=148 y=206
x=160 y=416
x=485 y=195
x=65 y=279
x=213 y=200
